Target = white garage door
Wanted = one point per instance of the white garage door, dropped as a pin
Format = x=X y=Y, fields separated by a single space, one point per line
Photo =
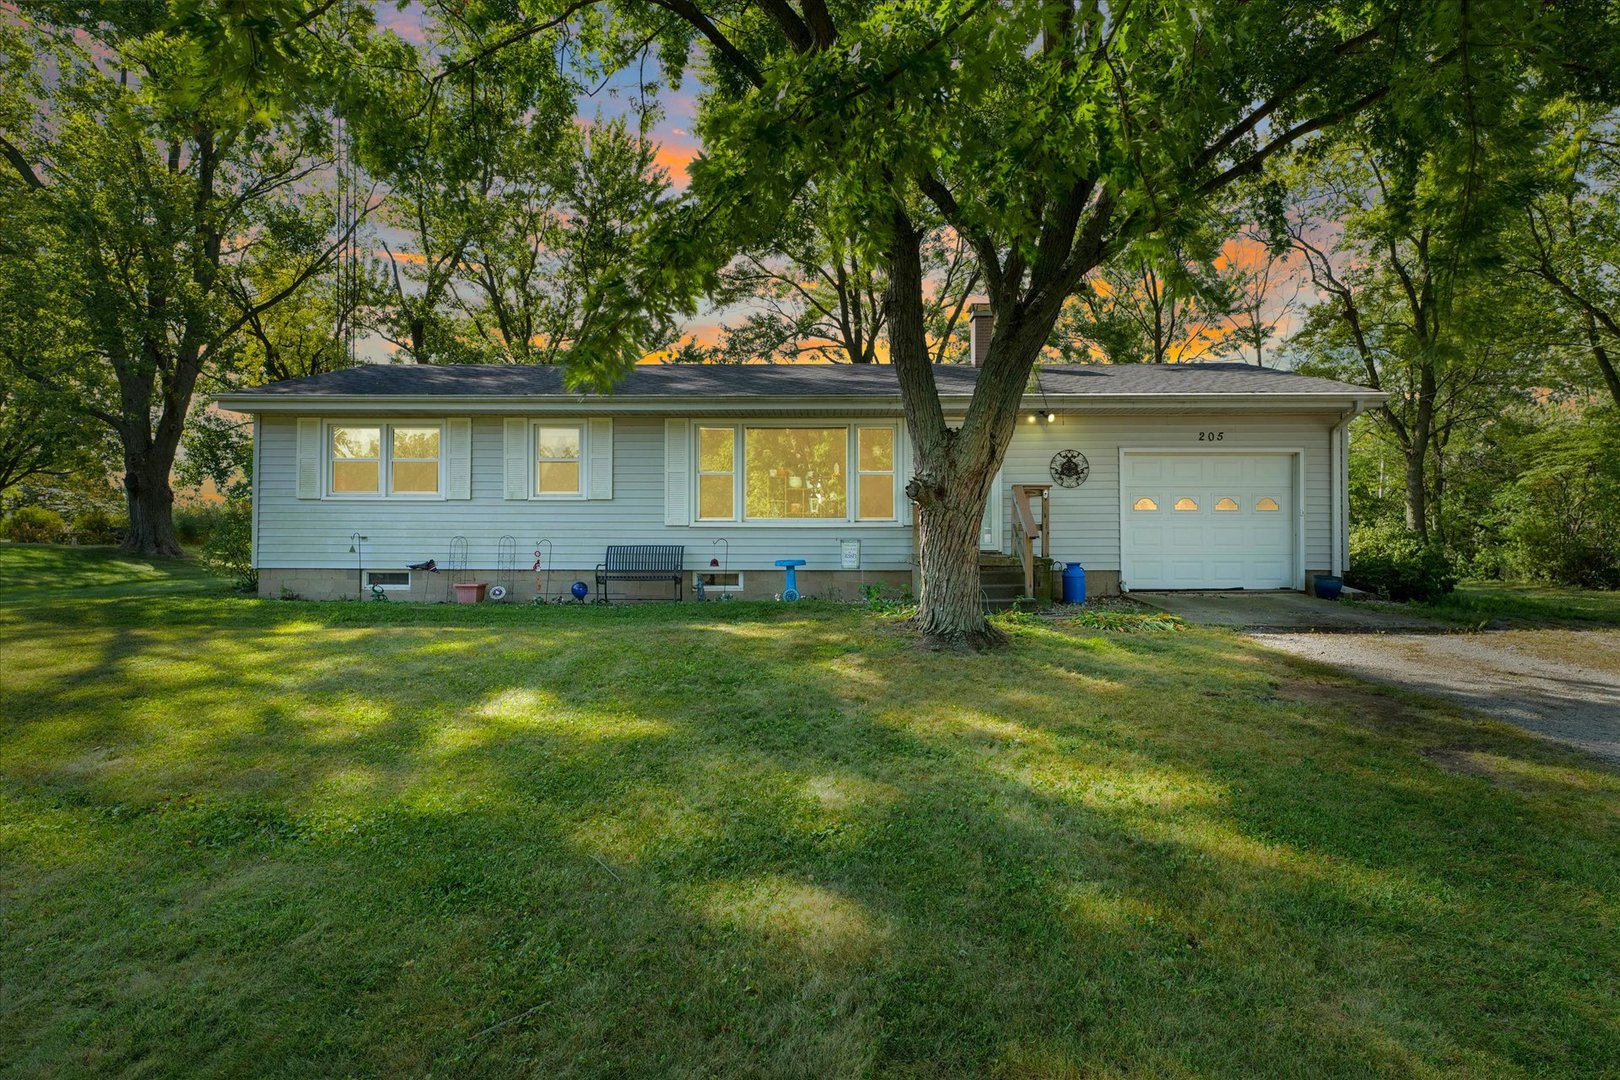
x=1208 y=521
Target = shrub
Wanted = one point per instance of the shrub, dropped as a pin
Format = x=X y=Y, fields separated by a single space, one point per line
x=195 y=522
x=34 y=525
x=1397 y=565
x=97 y=526
x=228 y=550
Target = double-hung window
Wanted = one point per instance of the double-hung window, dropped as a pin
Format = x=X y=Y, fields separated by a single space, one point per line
x=717 y=473
x=413 y=467
x=558 y=453
x=874 y=450
x=822 y=472
x=384 y=459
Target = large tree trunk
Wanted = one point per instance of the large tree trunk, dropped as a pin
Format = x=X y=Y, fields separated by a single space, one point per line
x=151 y=504
x=950 y=506
x=1417 y=451
x=1417 y=490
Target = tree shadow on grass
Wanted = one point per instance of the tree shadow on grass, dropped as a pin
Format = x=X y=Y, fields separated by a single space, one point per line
x=781 y=843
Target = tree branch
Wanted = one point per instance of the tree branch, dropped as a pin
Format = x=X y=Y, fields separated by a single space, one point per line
x=20 y=163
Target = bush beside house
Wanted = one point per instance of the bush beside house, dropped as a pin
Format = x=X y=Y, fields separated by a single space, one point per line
x=1397 y=564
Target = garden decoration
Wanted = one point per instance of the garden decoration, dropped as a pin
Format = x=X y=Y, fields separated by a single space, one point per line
x=458 y=566
x=1069 y=468
x=790 y=591
x=542 y=584
x=580 y=590
x=357 y=548
x=505 y=568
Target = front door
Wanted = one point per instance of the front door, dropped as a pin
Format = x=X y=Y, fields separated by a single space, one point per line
x=990 y=523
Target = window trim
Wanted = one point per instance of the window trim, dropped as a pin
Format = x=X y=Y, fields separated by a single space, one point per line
x=438 y=492
x=858 y=474
x=698 y=473
x=385 y=459
x=388 y=588
x=739 y=518
x=707 y=571
x=584 y=429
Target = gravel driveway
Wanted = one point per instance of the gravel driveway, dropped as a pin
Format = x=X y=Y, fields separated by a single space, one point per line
x=1509 y=675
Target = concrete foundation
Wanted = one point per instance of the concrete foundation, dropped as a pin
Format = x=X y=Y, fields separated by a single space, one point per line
x=313 y=584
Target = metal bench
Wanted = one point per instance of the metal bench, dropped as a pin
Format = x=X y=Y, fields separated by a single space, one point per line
x=641 y=562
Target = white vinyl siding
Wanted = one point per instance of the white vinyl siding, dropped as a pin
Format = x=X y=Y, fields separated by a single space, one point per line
x=1086 y=519
x=654 y=472
x=315 y=535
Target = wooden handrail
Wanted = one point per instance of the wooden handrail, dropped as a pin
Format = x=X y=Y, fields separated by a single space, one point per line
x=1027 y=528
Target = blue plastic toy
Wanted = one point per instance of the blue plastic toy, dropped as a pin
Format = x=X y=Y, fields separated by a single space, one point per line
x=791 y=591
x=579 y=590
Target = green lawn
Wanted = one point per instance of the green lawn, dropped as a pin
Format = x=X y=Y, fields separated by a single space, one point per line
x=1509 y=605
x=245 y=838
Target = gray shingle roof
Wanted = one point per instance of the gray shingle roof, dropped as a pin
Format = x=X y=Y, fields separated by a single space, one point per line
x=791 y=380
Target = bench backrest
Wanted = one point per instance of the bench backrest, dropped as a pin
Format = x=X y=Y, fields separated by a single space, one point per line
x=644 y=557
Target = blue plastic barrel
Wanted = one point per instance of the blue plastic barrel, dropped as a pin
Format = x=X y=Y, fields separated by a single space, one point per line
x=1074 y=583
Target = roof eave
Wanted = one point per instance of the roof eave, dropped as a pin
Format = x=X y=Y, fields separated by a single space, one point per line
x=887 y=403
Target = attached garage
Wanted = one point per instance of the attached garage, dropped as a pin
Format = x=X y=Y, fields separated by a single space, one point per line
x=1215 y=519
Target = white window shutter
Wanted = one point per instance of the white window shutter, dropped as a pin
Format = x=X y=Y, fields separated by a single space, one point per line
x=309 y=458
x=599 y=450
x=677 y=473
x=517 y=459
x=458 y=458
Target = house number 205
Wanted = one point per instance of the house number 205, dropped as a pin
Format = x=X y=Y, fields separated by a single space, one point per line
x=1212 y=436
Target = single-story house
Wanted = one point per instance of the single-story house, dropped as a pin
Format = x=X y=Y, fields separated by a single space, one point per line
x=1183 y=476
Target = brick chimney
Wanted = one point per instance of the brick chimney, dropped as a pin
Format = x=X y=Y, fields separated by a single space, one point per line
x=980 y=323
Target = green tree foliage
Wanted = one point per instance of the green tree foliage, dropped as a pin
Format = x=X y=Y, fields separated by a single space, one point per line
x=813 y=294
x=166 y=160
x=1568 y=240
x=1408 y=275
x=512 y=210
x=1562 y=513
x=1134 y=310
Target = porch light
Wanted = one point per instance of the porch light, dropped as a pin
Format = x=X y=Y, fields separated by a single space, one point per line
x=1032 y=418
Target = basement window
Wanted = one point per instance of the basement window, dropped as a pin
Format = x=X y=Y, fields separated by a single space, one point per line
x=388 y=579
x=716 y=581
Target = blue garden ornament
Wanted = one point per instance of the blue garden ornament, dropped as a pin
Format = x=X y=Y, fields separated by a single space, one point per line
x=791 y=591
x=579 y=589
